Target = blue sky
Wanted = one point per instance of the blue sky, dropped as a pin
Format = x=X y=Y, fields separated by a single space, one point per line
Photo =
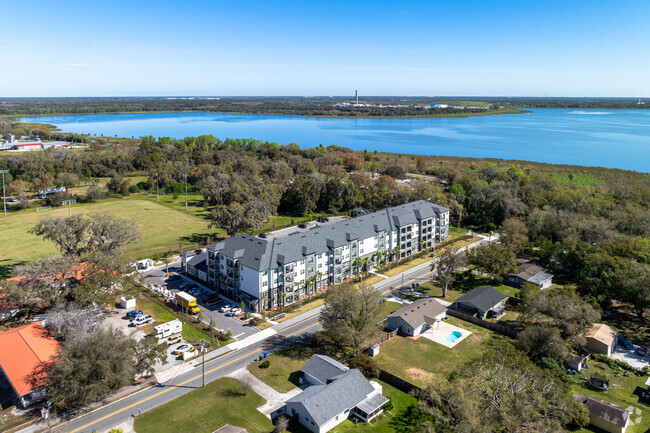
x=224 y=48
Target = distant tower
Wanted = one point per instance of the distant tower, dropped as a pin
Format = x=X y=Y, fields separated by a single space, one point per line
x=356 y=97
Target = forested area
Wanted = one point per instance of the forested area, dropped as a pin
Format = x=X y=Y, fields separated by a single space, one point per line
x=302 y=106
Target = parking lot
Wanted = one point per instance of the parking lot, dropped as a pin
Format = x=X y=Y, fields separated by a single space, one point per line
x=309 y=225
x=210 y=312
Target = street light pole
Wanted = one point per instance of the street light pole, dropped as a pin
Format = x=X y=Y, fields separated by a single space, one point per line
x=69 y=203
x=203 y=343
x=185 y=191
x=4 y=196
x=157 y=194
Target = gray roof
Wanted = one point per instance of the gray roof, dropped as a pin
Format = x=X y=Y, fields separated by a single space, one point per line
x=532 y=273
x=261 y=254
x=604 y=410
x=188 y=254
x=420 y=311
x=342 y=392
x=196 y=260
x=483 y=298
x=323 y=367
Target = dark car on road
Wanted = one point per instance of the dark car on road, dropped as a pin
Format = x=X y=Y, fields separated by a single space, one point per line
x=302 y=226
x=263 y=235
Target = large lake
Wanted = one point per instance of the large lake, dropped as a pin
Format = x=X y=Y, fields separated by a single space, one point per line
x=607 y=138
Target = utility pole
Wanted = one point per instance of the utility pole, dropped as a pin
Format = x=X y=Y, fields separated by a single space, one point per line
x=203 y=344
x=69 y=203
x=157 y=195
x=185 y=191
x=4 y=196
x=402 y=280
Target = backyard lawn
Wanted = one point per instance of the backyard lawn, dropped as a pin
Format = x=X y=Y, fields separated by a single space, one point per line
x=282 y=375
x=204 y=410
x=419 y=361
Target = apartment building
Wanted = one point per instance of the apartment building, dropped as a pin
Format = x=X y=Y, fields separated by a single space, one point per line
x=278 y=270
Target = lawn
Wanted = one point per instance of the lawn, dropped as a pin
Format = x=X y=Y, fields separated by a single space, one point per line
x=283 y=372
x=204 y=410
x=7 y=418
x=162 y=229
x=419 y=361
x=578 y=179
x=162 y=314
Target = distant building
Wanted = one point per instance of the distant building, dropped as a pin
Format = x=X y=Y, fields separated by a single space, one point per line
x=10 y=138
x=530 y=273
x=439 y=105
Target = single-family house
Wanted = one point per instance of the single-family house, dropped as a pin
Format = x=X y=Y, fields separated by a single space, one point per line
x=332 y=400
x=601 y=339
x=605 y=415
x=417 y=317
x=197 y=267
x=23 y=351
x=484 y=302
x=532 y=273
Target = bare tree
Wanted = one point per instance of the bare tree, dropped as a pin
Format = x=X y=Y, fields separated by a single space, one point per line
x=281 y=424
x=71 y=323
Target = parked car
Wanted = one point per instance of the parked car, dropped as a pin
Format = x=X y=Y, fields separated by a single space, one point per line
x=181 y=349
x=234 y=312
x=174 y=277
x=643 y=350
x=626 y=344
x=141 y=320
x=173 y=339
x=263 y=235
x=13 y=200
x=226 y=308
x=133 y=314
x=302 y=226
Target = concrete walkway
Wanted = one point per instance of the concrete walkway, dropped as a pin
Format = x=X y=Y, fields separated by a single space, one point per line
x=274 y=399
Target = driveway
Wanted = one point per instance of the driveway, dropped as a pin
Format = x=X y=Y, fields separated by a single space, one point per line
x=631 y=357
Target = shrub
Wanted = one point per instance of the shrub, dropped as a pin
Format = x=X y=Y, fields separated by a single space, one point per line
x=265 y=364
x=365 y=364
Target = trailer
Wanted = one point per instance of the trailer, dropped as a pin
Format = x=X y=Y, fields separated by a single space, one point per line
x=166 y=329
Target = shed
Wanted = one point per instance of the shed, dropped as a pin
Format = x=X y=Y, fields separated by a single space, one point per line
x=575 y=362
x=373 y=350
x=601 y=339
x=127 y=303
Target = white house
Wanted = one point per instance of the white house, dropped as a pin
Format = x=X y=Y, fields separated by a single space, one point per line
x=417 y=317
x=330 y=401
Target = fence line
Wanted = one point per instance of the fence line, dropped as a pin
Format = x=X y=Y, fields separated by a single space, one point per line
x=496 y=327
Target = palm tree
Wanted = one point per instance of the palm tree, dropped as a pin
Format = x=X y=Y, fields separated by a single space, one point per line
x=357 y=263
x=396 y=251
x=310 y=283
x=365 y=264
x=320 y=280
x=265 y=301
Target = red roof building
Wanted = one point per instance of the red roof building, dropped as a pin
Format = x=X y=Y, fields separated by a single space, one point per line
x=22 y=351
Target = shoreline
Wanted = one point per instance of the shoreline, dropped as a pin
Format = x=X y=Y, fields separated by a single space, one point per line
x=442 y=116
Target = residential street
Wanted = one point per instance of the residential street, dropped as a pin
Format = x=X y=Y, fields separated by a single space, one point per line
x=225 y=361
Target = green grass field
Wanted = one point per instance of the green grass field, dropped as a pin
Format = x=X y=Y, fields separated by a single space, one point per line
x=204 y=410
x=162 y=229
x=578 y=179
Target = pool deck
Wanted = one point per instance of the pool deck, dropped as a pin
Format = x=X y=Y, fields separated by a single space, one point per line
x=439 y=332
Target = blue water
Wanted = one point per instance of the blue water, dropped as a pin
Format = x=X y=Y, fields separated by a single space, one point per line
x=607 y=138
x=453 y=336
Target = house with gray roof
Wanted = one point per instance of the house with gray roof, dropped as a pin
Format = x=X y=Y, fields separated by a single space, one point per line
x=347 y=393
x=604 y=415
x=530 y=273
x=417 y=317
x=484 y=302
x=319 y=368
x=278 y=270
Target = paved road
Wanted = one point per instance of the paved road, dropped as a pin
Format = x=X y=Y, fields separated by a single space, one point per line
x=106 y=417
x=287 y=333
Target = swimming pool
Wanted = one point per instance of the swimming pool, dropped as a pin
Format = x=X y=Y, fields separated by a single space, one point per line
x=453 y=336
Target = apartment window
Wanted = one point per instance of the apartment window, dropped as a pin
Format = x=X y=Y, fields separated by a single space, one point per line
x=311 y=269
x=264 y=284
x=320 y=265
x=264 y=274
x=302 y=272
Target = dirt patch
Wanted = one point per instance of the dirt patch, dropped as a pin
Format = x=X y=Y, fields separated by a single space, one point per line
x=420 y=375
